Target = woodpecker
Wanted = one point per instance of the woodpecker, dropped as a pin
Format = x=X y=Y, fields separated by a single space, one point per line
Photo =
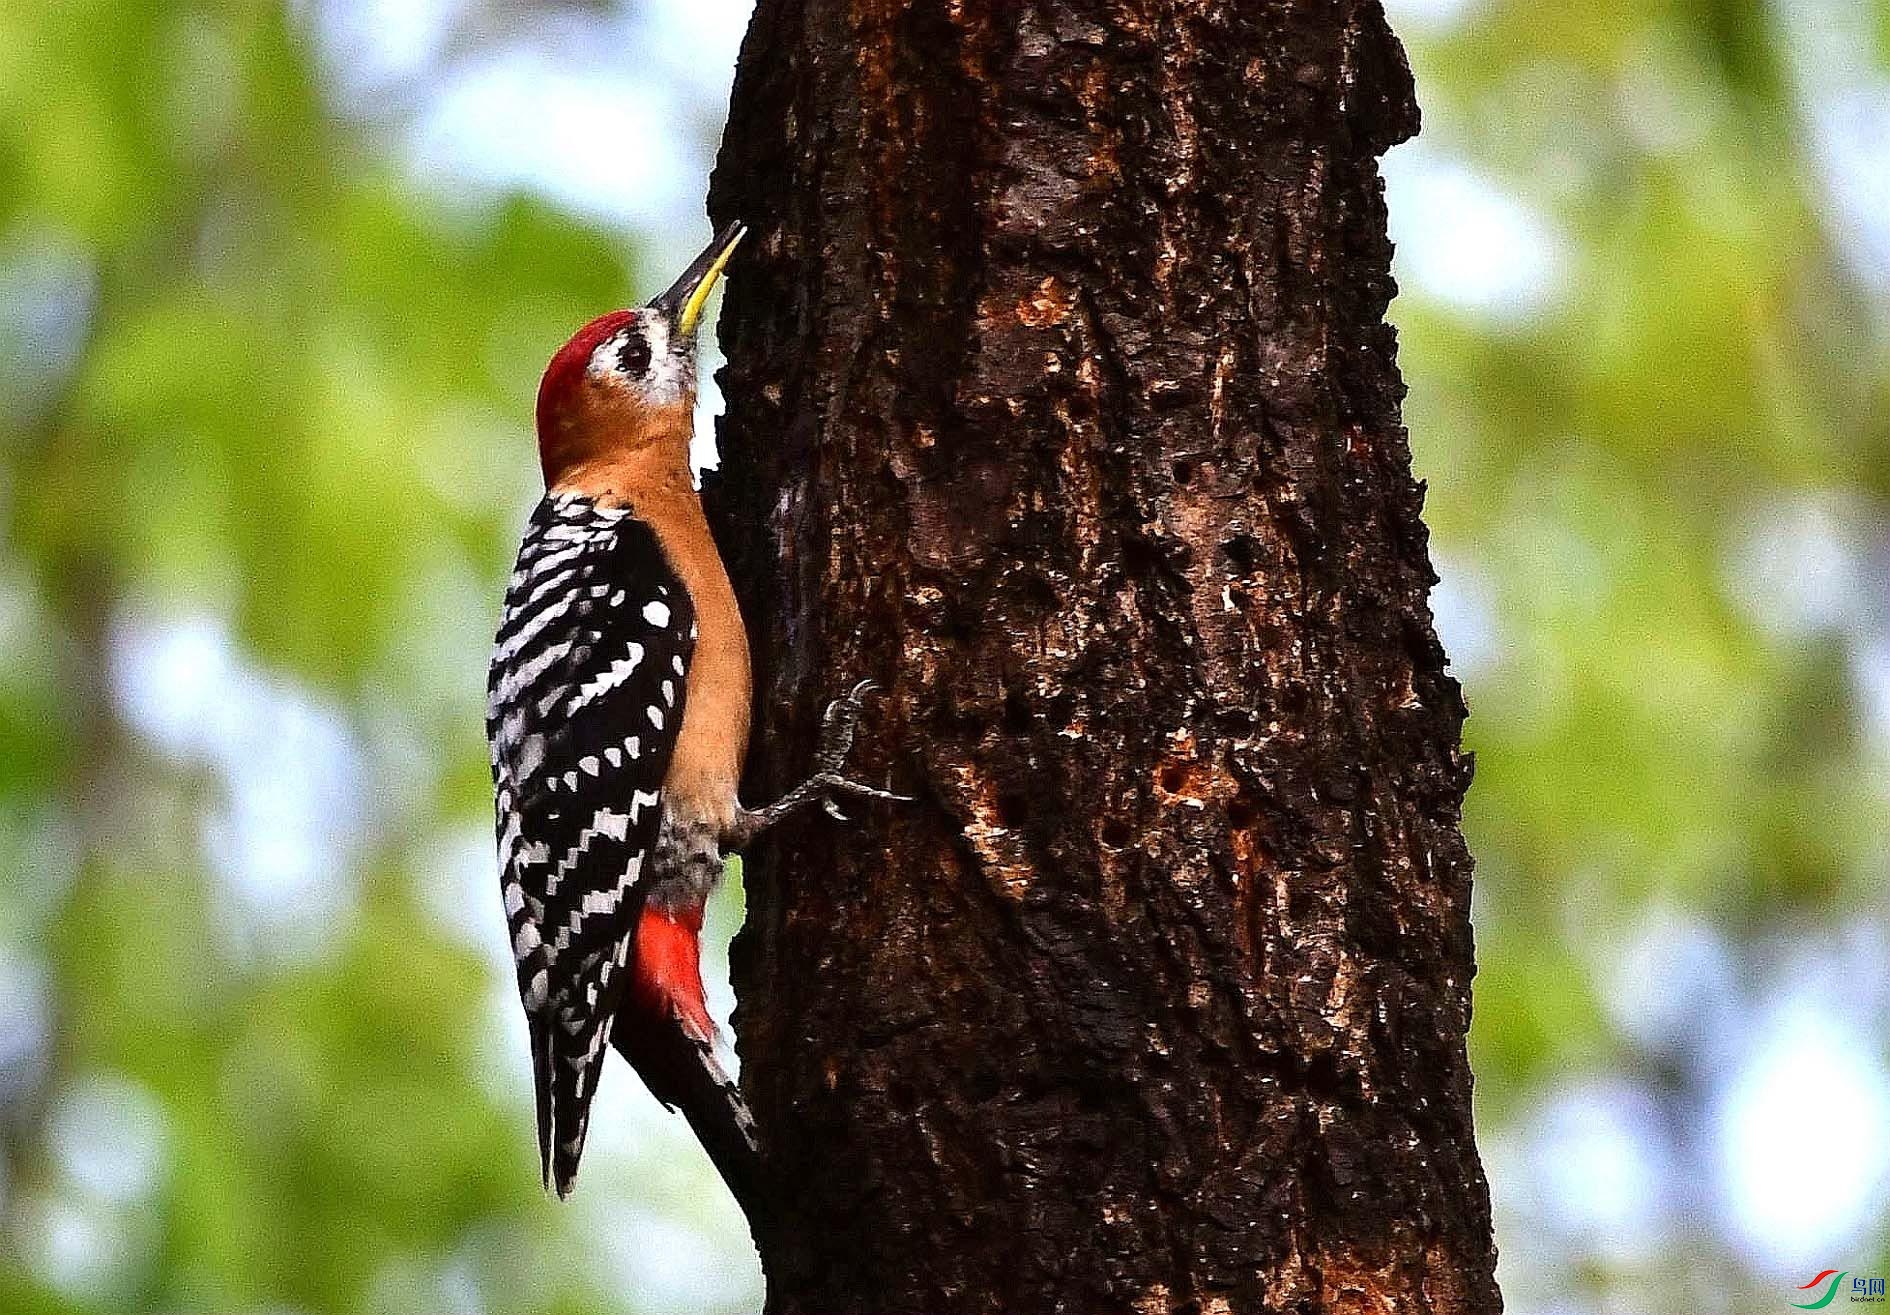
x=617 y=713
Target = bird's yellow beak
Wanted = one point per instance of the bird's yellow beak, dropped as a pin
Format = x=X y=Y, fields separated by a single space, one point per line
x=685 y=299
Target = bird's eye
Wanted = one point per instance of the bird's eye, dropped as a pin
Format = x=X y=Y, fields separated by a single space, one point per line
x=633 y=358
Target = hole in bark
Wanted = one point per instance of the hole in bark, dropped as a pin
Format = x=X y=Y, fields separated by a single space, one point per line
x=1242 y=553
x=1294 y=700
x=1183 y=472
x=1303 y=904
x=1241 y=814
x=1326 y=1077
x=1140 y=560
x=1116 y=833
x=1236 y=722
x=1013 y=808
x=1172 y=778
x=1031 y=588
x=1017 y=715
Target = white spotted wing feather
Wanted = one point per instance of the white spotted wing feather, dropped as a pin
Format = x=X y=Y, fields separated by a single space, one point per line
x=586 y=688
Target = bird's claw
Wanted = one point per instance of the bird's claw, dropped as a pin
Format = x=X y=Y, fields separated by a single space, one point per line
x=859 y=789
x=838 y=725
x=842 y=719
x=832 y=784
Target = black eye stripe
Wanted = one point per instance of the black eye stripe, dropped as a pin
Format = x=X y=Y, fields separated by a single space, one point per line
x=633 y=358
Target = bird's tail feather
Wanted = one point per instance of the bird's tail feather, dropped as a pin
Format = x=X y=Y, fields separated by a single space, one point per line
x=724 y=1125
x=573 y=1083
x=563 y=1084
x=682 y=1071
x=541 y=1086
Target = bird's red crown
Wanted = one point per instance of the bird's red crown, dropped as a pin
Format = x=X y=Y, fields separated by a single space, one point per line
x=568 y=365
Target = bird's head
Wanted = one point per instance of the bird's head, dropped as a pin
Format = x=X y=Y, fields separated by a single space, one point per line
x=627 y=380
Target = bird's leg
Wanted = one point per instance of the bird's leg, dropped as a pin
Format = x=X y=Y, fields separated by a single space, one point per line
x=837 y=727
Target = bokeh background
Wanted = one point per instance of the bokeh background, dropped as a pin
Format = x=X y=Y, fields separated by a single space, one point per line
x=276 y=281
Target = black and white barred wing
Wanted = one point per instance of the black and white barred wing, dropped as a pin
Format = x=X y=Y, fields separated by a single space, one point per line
x=585 y=693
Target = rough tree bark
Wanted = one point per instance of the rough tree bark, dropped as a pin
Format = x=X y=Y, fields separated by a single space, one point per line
x=1061 y=401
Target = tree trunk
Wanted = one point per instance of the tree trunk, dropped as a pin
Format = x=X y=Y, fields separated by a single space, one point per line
x=1061 y=401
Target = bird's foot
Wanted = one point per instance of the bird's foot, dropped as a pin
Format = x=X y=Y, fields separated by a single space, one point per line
x=828 y=784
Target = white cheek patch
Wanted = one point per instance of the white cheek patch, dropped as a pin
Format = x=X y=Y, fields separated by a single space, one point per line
x=670 y=378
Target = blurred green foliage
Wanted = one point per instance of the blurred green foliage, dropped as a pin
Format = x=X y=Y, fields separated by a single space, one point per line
x=296 y=398
x=1670 y=487
x=251 y=371
x=1643 y=736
